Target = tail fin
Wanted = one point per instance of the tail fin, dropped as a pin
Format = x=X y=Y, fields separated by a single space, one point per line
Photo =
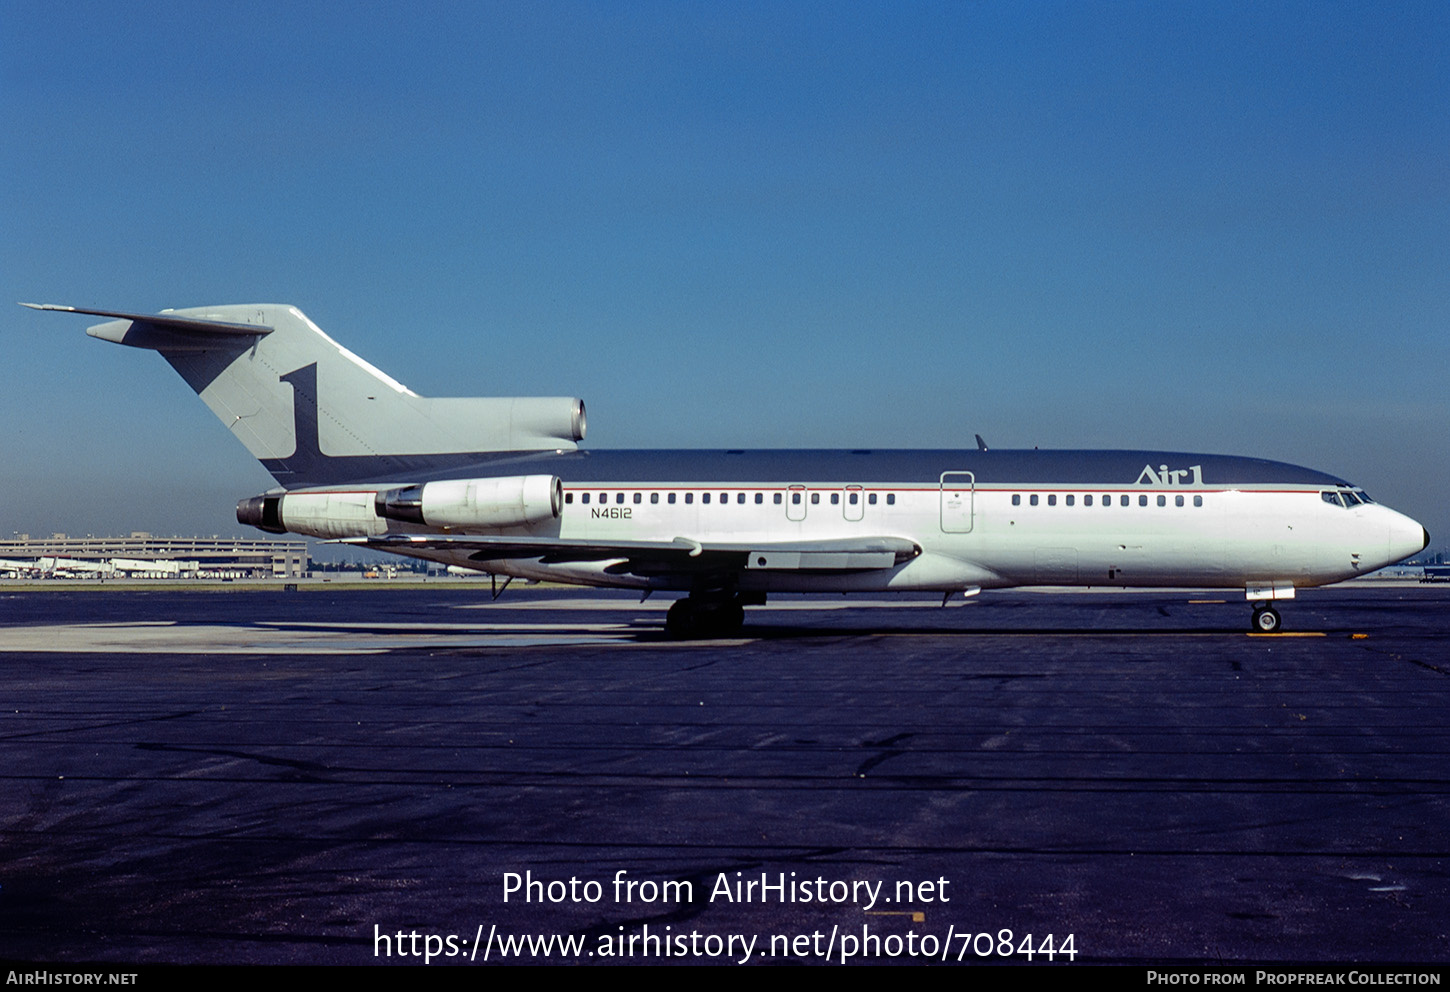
x=314 y=413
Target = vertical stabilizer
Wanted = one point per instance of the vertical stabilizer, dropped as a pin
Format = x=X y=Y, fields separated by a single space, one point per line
x=314 y=413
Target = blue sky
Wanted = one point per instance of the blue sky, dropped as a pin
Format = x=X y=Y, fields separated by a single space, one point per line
x=1217 y=227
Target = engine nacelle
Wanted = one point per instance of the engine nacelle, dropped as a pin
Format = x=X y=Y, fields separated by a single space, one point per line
x=511 y=501
x=492 y=504
x=326 y=515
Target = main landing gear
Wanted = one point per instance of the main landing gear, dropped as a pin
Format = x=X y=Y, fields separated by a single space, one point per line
x=691 y=617
x=717 y=613
x=1266 y=620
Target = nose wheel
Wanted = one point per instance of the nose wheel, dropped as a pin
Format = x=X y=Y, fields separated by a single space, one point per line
x=1266 y=620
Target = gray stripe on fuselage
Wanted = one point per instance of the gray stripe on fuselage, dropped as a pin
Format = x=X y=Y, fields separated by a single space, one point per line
x=991 y=468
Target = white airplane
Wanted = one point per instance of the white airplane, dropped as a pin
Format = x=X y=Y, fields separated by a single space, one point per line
x=500 y=485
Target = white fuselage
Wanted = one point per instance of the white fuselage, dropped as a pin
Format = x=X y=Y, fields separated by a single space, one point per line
x=978 y=536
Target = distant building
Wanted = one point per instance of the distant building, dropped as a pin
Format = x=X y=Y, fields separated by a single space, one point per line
x=142 y=555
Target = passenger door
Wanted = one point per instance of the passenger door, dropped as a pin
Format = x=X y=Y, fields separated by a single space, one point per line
x=958 y=491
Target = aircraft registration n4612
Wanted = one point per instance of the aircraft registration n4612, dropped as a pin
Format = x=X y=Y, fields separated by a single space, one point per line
x=501 y=485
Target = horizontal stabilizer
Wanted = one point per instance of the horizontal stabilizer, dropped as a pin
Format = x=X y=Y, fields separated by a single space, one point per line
x=158 y=330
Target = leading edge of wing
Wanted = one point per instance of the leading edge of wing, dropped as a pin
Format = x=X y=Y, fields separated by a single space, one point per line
x=849 y=554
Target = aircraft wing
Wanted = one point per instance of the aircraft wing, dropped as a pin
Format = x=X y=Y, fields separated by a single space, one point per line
x=682 y=554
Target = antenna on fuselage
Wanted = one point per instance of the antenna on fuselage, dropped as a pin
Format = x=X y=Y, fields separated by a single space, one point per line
x=981 y=445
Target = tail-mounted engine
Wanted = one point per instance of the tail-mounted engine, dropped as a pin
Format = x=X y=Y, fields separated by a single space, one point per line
x=463 y=504
x=515 y=501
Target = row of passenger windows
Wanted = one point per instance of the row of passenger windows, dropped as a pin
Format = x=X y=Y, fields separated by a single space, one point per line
x=854 y=498
x=1107 y=500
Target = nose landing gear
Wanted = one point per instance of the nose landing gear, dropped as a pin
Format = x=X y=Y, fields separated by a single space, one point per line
x=1266 y=620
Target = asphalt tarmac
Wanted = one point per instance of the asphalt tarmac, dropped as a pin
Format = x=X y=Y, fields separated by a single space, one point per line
x=394 y=776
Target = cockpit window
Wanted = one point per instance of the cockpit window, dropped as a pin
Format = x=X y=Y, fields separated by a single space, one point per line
x=1345 y=497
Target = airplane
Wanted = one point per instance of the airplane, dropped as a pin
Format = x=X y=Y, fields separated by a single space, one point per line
x=500 y=484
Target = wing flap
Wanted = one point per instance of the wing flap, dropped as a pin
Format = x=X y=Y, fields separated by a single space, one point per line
x=818 y=561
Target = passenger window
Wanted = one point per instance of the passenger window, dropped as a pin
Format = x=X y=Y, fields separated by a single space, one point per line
x=740 y=498
x=1162 y=500
x=871 y=499
x=568 y=497
x=1124 y=500
x=835 y=498
x=1016 y=499
x=705 y=498
x=1177 y=500
x=619 y=497
x=1069 y=499
x=1142 y=500
x=670 y=498
x=855 y=498
x=724 y=498
x=638 y=497
x=1052 y=499
x=815 y=498
x=1086 y=500
x=1198 y=501
x=1107 y=500
x=759 y=498
x=890 y=499
x=654 y=497
x=1032 y=499
x=795 y=499
x=777 y=499
x=690 y=498
x=604 y=497
x=584 y=498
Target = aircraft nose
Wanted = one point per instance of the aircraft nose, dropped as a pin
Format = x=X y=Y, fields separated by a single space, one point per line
x=1407 y=537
